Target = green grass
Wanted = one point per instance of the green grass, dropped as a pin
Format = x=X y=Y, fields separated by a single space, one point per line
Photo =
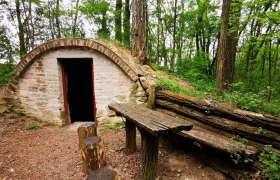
x=116 y=126
x=32 y=126
x=173 y=86
x=2 y=102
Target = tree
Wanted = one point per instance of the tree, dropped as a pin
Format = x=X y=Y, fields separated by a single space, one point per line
x=126 y=24
x=75 y=18
x=98 y=11
x=22 y=48
x=57 y=22
x=139 y=31
x=227 y=47
x=118 y=21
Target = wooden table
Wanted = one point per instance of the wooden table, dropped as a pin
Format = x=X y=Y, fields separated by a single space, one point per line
x=151 y=125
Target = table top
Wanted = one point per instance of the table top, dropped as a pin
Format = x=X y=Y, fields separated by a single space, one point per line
x=155 y=122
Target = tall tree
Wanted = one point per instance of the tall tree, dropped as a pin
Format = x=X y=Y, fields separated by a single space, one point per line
x=118 y=21
x=57 y=22
x=22 y=48
x=227 y=47
x=126 y=24
x=75 y=18
x=139 y=31
x=172 y=63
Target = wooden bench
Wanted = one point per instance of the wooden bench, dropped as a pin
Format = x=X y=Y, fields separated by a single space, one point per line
x=151 y=125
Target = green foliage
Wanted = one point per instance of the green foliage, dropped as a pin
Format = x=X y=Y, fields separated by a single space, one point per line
x=19 y=111
x=99 y=11
x=237 y=157
x=270 y=164
x=116 y=126
x=32 y=126
x=7 y=72
x=2 y=102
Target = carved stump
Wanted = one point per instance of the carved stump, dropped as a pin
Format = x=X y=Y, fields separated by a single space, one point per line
x=92 y=154
x=102 y=174
x=86 y=130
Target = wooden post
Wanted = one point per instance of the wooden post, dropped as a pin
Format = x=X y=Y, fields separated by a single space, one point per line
x=130 y=137
x=103 y=174
x=152 y=98
x=92 y=154
x=149 y=155
x=86 y=130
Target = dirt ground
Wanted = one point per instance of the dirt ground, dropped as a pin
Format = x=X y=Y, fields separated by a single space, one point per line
x=30 y=149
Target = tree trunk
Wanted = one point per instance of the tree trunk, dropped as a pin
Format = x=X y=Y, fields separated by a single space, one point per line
x=139 y=32
x=57 y=23
x=172 y=63
x=22 y=48
x=126 y=24
x=118 y=21
x=75 y=19
x=227 y=47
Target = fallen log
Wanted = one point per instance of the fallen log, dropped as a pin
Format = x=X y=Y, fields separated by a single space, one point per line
x=265 y=136
x=260 y=120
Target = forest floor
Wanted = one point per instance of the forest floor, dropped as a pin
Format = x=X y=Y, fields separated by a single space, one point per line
x=30 y=149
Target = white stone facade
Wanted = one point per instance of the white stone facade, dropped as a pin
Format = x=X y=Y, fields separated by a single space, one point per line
x=40 y=87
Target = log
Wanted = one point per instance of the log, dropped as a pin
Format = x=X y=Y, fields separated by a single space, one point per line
x=149 y=154
x=224 y=124
x=92 y=154
x=130 y=137
x=86 y=130
x=103 y=174
x=219 y=142
x=250 y=118
x=152 y=97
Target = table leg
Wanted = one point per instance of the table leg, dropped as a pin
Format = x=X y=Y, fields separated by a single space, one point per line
x=130 y=136
x=149 y=156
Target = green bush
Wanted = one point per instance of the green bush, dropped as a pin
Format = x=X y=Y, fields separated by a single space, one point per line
x=7 y=72
x=270 y=164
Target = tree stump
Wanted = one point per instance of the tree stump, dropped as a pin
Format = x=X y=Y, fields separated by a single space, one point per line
x=86 y=130
x=92 y=154
x=149 y=155
x=103 y=174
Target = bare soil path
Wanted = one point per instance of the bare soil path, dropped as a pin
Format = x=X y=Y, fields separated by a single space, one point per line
x=51 y=152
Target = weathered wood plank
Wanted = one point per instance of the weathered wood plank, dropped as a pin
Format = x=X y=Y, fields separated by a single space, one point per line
x=218 y=141
x=152 y=121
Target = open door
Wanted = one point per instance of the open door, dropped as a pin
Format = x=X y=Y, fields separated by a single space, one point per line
x=78 y=89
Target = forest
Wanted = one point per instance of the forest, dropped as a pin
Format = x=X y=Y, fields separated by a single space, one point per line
x=228 y=48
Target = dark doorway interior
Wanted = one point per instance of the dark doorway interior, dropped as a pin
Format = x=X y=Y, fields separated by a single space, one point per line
x=79 y=84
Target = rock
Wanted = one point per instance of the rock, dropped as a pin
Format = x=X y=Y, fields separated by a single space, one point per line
x=143 y=82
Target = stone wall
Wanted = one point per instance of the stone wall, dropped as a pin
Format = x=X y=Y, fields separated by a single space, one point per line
x=40 y=86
